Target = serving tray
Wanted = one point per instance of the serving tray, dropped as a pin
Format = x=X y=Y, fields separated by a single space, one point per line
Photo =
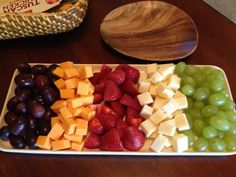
x=144 y=151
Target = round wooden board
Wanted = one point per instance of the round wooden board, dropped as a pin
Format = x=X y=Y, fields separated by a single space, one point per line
x=150 y=30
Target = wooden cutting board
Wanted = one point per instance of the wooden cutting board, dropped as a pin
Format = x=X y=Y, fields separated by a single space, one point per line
x=150 y=30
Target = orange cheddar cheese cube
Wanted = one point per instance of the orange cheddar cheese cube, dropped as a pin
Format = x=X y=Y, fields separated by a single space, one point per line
x=87 y=100
x=60 y=145
x=55 y=120
x=71 y=72
x=71 y=83
x=60 y=83
x=43 y=142
x=82 y=127
x=76 y=138
x=65 y=113
x=58 y=105
x=83 y=87
x=78 y=146
x=76 y=111
x=91 y=88
x=87 y=113
x=76 y=102
x=67 y=65
x=85 y=72
x=56 y=131
x=58 y=72
x=67 y=93
x=69 y=125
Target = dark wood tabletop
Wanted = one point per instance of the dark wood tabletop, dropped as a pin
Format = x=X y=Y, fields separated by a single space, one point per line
x=217 y=46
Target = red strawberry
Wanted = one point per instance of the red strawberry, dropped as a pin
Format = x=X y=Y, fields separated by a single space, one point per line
x=108 y=121
x=111 y=92
x=92 y=141
x=129 y=87
x=105 y=70
x=99 y=88
x=131 y=72
x=111 y=141
x=118 y=76
x=94 y=79
x=119 y=109
x=130 y=102
x=133 y=139
x=120 y=127
x=95 y=126
x=132 y=113
x=97 y=98
x=104 y=109
x=134 y=121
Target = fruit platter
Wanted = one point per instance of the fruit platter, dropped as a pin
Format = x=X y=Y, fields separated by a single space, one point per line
x=119 y=109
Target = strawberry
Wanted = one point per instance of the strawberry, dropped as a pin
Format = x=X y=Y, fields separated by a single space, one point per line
x=132 y=113
x=111 y=92
x=111 y=141
x=94 y=79
x=104 y=109
x=99 y=88
x=105 y=70
x=108 y=121
x=120 y=127
x=95 y=126
x=131 y=72
x=129 y=87
x=130 y=102
x=92 y=141
x=134 y=121
x=118 y=76
x=97 y=98
x=133 y=139
x=119 y=109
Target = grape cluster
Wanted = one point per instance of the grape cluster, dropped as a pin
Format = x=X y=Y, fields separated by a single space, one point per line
x=211 y=111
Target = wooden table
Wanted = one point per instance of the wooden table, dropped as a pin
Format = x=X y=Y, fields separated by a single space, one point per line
x=217 y=46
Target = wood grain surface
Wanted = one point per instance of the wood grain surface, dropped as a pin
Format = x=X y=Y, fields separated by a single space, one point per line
x=150 y=30
x=216 y=46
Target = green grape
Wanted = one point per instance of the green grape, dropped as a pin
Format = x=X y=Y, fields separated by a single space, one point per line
x=228 y=106
x=217 y=99
x=190 y=102
x=221 y=114
x=199 y=79
x=209 y=110
x=191 y=70
x=198 y=105
x=201 y=93
x=207 y=70
x=200 y=145
x=187 y=90
x=217 y=85
x=219 y=123
x=225 y=92
x=198 y=126
x=205 y=85
x=216 y=145
x=220 y=134
x=231 y=115
x=211 y=77
x=190 y=120
x=230 y=141
x=209 y=132
x=232 y=129
x=179 y=69
x=188 y=80
x=219 y=74
x=191 y=137
x=195 y=113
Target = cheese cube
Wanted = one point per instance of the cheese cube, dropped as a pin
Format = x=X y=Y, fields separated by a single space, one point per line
x=87 y=100
x=151 y=69
x=85 y=72
x=158 y=117
x=83 y=88
x=177 y=112
x=71 y=72
x=153 y=90
x=56 y=131
x=76 y=102
x=144 y=86
x=169 y=143
x=180 y=100
x=148 y=127
x=76 y=111
x=77 y=138
x=167 y=128
x=67 y=93
x=87 y=113
x=159 y=143
x=71 y=83
x=153 y=135
x=60 y=145
x=167 y=69
x=146 y=111
x=182 y=122
x=58 y=72
x=145 y=98
x=55 y=120
x=56 y=106
x=180 y=143
x=164 y=91
x=82 y=127
x=174 y=82
x=142 y=76
x=91 y=88
x=159 y=103
x=60 y=83
x=157 y=77
x=67 y=65
x=78 y=146
x=169 y=107
x=65 y=112
x=69 y=125
x=43 y=142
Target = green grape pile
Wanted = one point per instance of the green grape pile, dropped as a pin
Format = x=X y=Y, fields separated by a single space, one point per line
x=211 y=112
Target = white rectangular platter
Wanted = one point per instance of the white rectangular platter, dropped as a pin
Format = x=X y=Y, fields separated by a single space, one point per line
x=145 y=151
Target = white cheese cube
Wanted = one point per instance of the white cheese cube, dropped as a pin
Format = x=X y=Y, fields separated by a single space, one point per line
x=153 y=90
x=180 y=100
x=164 y=91
x=167 y=128
x=166 y=69
x=148 y=127
x=153 y=135
x=156 y=77
x=177 y=112
x=158 y=116
x=145 y=98
x=159 y=143
x=174 y=82
x=151 y=69
x=180 y=143
x=169 y=107
x=146 y=111
x=182 y=122
x=144 y=86
x=159 y=103
x=142 y=76
x=169 y=142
